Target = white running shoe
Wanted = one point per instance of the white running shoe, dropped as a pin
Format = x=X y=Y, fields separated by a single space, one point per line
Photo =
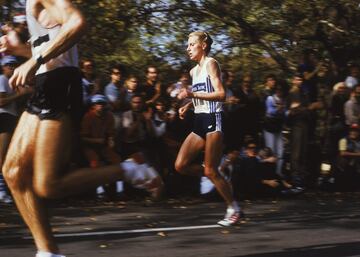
x=231 y=218
x=47 y=254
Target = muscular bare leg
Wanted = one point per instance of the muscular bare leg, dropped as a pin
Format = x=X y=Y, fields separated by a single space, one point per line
x=213 y=152
x=52 y=155
x=18 y=172
x=189 y=150
x=38 y=153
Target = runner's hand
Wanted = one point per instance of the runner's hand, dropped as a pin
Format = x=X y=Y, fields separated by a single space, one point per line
x=23 y=74
x=182 y=112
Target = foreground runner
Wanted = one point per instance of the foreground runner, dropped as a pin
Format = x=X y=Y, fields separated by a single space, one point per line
x=40 y=150
x=207 y=96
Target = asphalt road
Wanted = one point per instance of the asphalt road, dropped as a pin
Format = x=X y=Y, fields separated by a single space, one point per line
x=315 y=224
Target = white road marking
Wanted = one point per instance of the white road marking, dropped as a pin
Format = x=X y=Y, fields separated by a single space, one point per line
x=133 y=231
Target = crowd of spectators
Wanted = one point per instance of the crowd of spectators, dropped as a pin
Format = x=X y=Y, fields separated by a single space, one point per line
x=282 y=136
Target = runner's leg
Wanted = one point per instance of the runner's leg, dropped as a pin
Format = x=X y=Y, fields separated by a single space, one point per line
x=18 y=172
x=189 y=150
x=213 y=153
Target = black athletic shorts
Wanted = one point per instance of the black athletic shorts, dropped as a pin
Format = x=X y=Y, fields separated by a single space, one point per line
x=208 y=122
x=57 y=92
x=7 y=122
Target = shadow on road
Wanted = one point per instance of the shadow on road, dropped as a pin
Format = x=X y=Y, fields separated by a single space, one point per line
x=326 y=250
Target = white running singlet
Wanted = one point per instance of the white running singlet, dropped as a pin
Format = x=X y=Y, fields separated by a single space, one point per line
x=41 y=37
x=201 y=83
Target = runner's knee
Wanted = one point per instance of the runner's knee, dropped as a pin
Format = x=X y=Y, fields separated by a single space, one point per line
x=15 y=176
x=179 y=166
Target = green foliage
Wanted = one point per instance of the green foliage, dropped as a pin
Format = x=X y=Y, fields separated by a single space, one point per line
x=259 y=36
x=281 y=30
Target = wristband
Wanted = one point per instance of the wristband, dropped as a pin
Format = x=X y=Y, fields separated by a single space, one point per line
x=39 y=59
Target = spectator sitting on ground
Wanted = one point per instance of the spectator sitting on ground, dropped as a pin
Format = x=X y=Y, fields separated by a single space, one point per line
x=348 y=163
x=271 y=182
x=136 y=128
x=245 y=178
x=254 y=172
x=97 y=136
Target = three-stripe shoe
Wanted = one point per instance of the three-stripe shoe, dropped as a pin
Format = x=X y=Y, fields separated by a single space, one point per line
x=231 y=218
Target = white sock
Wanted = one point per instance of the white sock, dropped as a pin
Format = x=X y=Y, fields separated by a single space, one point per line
x=48 y=254
x=235 y=206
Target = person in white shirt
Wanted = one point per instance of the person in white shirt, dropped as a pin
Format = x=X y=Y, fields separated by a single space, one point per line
x=8 y=114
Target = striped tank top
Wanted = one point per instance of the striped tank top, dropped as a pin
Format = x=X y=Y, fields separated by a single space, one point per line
x=201 y=83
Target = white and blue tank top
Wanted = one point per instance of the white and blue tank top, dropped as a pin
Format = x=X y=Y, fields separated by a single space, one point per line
x=201 y=83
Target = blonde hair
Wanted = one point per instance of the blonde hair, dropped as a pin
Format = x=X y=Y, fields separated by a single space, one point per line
x=203 y=37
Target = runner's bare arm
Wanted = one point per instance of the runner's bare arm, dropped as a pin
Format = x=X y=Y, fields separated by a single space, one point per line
x=72 y=28
x=72 y=23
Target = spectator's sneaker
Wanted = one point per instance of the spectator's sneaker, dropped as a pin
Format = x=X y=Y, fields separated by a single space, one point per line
x=231 y=218
x=293 y=191
x=297 y=190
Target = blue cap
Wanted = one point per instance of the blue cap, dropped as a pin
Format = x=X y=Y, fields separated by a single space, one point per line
x=98 y=99
x=8 y=60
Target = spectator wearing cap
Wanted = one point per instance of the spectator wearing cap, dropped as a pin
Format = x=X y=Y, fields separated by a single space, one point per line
x=347 y=174
x=97 y=133
x=8 y=112
x=97 y=136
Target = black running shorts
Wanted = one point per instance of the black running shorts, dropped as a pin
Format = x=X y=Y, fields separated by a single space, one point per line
x=205 y=123
x=57 y=92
